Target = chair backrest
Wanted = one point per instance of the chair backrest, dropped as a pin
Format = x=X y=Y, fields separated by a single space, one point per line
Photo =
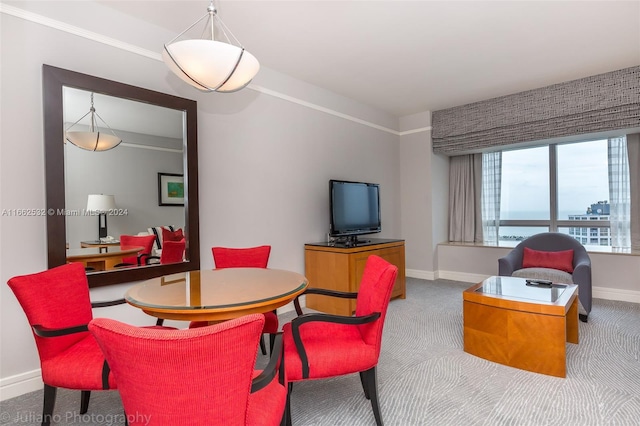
x=145 y=241
x=373 y=296
x=250 y=257
x=172 y=251
x=552 y=241
x=56 y=298
x=199 y=376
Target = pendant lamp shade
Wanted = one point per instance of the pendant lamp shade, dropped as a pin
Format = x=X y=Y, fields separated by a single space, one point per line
x=209 y=64
x=94 y=139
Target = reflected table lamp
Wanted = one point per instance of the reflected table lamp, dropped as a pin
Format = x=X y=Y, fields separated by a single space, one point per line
x=101 y=204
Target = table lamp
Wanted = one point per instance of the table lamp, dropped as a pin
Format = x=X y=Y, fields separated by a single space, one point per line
x=101 y=204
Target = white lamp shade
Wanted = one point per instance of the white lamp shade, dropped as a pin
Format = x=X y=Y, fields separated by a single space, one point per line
x=206 y=64
x=93 y=141
x=101 y=203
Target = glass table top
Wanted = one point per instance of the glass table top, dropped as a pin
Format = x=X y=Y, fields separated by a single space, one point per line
x=216 y=289
x=516 y=288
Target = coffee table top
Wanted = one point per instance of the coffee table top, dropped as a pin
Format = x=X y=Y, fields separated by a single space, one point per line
x=513 y=293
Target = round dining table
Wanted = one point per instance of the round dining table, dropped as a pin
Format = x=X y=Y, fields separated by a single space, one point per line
x=217 y=294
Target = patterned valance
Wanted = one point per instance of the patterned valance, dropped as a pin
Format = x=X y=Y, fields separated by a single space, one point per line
x=603 y=102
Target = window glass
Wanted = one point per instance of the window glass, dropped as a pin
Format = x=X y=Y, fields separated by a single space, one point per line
x=525 y=184
x=583 y=181
x=510 y=236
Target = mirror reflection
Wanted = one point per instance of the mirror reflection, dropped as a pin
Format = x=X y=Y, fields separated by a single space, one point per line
x=125 y=205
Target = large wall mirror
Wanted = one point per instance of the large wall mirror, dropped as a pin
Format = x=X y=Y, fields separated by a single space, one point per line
x=149 y=180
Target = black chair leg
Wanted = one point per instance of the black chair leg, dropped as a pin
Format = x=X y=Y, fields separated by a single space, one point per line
x=364 y=385
x=49 y=403
x=263 y=348
x=583 y=317
x=288 y=406
x=272 y=341
x=371 y=380
x=84 y=401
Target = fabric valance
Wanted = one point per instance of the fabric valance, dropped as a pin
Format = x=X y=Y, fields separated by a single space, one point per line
x=599 y=103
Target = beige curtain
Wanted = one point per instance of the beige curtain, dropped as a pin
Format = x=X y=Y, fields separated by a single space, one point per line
x=465 y=208
x=633 y=151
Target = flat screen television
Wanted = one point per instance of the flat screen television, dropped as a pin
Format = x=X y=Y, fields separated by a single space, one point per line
x=355 y=209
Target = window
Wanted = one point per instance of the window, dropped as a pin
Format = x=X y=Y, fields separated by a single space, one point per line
x=555 y=188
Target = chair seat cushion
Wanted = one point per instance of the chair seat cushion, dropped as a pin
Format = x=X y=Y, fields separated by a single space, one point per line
x=259 y=410
x=554 y=275
x=332 y=349
x=79 y=367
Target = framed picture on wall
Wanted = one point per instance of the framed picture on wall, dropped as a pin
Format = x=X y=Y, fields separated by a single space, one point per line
x=170 y=189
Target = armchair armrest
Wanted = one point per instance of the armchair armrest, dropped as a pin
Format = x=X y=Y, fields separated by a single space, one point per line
x=323 y=292
x=41 y=331
x=296 y=323
x=509 y=263
x=269 y=372
x=57 y=332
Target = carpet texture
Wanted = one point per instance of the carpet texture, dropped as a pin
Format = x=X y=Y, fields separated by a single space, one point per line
x=425 y=378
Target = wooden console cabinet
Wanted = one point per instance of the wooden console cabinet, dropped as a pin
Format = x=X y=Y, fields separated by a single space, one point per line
x=340 y=268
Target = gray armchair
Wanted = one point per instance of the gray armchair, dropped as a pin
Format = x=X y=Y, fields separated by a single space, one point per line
x=511 y=265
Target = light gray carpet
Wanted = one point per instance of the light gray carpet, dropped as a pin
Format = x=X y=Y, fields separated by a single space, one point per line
x=425 y=378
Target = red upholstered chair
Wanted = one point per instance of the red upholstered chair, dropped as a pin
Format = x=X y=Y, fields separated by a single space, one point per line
x=319 y=346
x=58 y=309
x=250 y=257
x=172 y=252
x=145 y=241
x=201 y=376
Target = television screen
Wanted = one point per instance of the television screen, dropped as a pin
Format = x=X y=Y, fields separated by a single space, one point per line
x=355 y=208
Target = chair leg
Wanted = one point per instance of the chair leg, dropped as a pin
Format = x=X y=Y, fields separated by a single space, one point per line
x=583 y=317
x=288 y=405
x=263 y=348
x=272 y=341
x=371 y=380
x=84 y=401
x=49 y=403
x=364 y=385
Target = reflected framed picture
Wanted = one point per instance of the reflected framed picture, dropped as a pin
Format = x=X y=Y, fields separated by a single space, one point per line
x=170 y=189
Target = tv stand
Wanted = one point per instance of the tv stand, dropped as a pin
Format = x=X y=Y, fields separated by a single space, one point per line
x=349 y=241
x=337 y=266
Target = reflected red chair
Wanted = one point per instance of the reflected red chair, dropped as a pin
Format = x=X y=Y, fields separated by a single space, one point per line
x=250 y=257
x=319 y=346
x=58 y=309
x=202 y=376
x=172 y=252
x=145 y=241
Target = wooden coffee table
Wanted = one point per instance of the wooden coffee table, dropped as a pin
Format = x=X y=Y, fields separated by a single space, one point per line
x=508 y=322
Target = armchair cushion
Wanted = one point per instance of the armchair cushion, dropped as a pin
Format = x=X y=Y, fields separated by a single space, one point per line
x=562 y=260
x=550 y=274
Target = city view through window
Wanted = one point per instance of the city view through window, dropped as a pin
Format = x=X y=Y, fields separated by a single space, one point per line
x=581 y=186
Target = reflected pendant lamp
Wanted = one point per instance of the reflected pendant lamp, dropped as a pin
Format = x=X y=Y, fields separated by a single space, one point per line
x=94 y=139
x=208 y=64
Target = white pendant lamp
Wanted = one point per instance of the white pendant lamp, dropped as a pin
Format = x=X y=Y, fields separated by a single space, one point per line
x=208 y=64
x=94 y=139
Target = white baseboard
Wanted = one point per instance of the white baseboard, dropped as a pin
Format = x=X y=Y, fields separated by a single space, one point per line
x=22 y=383
x=615 y=294
x=597 y=292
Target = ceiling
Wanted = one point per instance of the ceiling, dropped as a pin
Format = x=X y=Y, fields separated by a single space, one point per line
x=405 y=57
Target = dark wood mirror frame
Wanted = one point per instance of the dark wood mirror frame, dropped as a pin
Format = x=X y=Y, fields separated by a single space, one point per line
x=54 y=79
